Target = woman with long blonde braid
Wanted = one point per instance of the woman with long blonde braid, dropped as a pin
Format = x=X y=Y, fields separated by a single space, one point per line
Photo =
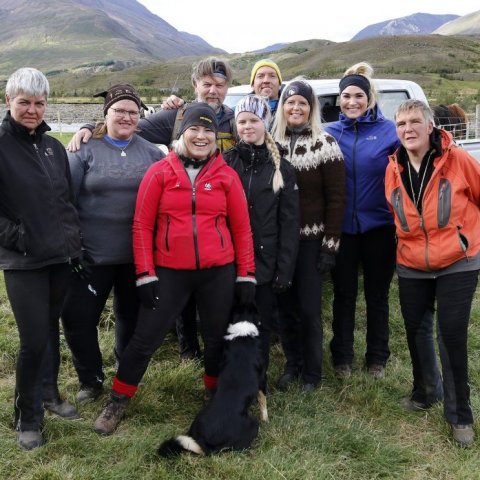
x=272 y=195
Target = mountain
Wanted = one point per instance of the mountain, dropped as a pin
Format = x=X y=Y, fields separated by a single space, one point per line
x=416 y=24
x=466 y=25
x=272 y=48
x=64 y=34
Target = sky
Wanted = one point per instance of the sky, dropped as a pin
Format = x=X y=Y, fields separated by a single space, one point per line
x=248 y=25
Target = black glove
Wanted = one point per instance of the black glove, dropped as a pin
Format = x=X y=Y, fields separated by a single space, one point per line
x=245 y=294
x=148 y=293
x=80 y=268
x=279 y=288
x=325 y=262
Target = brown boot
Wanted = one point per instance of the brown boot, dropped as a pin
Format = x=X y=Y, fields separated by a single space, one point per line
x=108 y=420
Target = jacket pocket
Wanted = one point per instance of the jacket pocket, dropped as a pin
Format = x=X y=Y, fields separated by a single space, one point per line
x=21 y=245
x=217 y=228
x=167 y=232
x=463 y=240
x=444 y=208
x=396 y=200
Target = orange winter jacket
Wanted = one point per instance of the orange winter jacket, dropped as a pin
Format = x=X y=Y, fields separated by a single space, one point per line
x=448 y=229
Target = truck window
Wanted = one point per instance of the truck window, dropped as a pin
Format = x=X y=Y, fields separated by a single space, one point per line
x=389 y=101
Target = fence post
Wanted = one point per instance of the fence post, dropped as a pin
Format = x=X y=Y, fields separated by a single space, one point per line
x=59 y=122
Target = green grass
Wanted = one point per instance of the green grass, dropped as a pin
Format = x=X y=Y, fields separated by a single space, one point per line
x=351 y=430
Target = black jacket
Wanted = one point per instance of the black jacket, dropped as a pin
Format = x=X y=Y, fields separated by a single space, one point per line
x=38 y=221
x=274 y=217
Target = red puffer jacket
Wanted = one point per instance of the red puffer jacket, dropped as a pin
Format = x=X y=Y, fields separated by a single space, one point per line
x=185 y=227
x=449 y=227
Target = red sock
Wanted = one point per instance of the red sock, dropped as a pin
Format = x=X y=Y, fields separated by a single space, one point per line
x=124 y=388
x=209 y=382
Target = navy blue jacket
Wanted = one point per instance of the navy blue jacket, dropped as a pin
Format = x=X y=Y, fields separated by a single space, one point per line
x=366 y=143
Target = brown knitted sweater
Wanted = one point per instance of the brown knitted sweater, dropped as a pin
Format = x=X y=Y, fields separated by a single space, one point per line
x=321 y=181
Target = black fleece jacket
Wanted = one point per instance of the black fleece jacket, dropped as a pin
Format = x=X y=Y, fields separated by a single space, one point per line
x=274 y=217
x=38 y=221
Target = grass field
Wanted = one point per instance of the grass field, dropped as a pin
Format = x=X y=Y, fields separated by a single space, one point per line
x=351 y=430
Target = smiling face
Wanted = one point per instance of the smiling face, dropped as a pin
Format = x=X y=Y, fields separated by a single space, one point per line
x=296 y=110
x=211 y=90
x=414 y=131
x=27 y=110
x=199 y=142
x=266 y=83
x=122 y=119
x=353 y=102
x=250 y=128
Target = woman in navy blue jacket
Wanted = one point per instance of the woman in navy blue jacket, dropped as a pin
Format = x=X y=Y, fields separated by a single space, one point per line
x=366 y=138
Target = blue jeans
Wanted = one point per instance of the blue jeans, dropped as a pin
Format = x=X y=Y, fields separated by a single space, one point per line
x=453 y=294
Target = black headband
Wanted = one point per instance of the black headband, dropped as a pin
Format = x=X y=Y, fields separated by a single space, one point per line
x=359 y=81
x=299 y=88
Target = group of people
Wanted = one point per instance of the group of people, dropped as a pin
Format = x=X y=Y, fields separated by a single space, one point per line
x=250 y=207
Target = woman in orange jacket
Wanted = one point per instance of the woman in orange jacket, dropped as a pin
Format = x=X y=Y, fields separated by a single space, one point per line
x=433 y=188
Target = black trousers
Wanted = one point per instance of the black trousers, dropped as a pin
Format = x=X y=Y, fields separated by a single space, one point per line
x=300 y=310
x=266 y=303
x=81 y=316
x=36 y=297
x=213 y=289
x=453 y=295
x=374 y=251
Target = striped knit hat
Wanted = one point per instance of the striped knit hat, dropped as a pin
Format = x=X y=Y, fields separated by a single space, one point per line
x=256 y=105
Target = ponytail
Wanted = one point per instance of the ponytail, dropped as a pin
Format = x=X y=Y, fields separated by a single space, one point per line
x=277 y=183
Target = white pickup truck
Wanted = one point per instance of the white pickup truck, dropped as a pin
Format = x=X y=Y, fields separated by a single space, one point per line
x=391 y=93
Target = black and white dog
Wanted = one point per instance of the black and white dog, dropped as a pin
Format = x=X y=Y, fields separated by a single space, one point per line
x=226 y=423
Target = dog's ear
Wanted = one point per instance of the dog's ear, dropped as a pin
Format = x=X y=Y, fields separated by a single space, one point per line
x=246 y=313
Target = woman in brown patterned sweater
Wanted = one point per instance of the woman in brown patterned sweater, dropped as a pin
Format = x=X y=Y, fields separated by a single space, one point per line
x=320 y=172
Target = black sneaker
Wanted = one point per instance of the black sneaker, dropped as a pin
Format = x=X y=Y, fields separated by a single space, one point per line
x=286 y=380
x=87 y=394
x=30 y=439
x=61 y=408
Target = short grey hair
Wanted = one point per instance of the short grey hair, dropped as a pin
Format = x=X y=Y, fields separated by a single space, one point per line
x=412 y=104
x=29 y=81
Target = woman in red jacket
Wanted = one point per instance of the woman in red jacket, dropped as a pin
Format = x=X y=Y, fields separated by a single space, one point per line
x=191 y=236
x=433 y=188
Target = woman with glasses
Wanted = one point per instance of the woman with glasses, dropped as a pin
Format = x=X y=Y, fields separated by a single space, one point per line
x=106 y=174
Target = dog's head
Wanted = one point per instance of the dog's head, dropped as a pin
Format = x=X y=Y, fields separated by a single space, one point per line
x=244 y=323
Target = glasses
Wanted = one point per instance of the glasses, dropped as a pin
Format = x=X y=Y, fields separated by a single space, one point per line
x=120 y=113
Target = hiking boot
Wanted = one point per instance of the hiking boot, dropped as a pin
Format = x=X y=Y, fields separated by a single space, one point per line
x=463 y=434
x=308 y=387
x=61 y=408
x=285 y=381
x=87 y=394
x=413 y=405
x=108 y=420
x=376 y=370
x=342 y=372
x=30 y=439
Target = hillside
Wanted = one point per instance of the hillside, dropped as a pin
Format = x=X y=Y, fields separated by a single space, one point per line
x=447 y=67
x=416 y=24
x=66 y=34
x=466 y=25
